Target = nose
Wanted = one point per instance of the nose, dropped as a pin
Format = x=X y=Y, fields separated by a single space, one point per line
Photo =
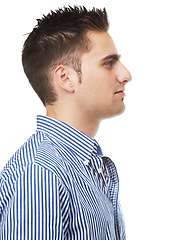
x=123 y=74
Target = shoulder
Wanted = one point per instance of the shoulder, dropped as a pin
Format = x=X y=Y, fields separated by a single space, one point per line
x=38 y=155
x=33 y=166
x=22 y=157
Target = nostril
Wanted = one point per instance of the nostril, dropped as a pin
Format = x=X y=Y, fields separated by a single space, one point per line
x=122 y=79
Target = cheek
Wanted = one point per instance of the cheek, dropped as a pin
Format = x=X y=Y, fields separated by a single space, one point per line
x=98 y=83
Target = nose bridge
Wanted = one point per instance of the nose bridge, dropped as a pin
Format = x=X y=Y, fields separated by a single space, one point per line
x=123 y=73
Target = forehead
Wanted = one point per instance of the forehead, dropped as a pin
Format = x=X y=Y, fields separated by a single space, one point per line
x=101 y=45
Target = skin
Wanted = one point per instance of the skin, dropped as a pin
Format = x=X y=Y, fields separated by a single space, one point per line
x=100 y=93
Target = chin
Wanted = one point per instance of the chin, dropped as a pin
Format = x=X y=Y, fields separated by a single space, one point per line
x=121 y=111
x=115 y=113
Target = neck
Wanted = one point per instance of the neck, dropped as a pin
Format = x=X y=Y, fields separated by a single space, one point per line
x=84 y=123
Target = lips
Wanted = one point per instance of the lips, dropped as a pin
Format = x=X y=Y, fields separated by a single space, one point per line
x=120 y=92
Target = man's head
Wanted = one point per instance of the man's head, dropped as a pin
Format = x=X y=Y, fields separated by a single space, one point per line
x=59 y=38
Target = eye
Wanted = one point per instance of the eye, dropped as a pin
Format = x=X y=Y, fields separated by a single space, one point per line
x=109 y=64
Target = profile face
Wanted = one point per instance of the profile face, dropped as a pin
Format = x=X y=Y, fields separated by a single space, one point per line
x=101 y=91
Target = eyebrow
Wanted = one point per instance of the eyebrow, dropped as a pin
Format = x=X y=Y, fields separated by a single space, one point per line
x=112 y=56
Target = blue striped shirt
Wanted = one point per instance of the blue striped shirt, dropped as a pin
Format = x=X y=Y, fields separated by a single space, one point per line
x=59 y=185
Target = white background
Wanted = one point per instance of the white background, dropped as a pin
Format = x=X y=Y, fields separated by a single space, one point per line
x=147 y=141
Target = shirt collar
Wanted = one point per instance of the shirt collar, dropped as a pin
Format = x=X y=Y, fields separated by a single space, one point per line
x=84 y=146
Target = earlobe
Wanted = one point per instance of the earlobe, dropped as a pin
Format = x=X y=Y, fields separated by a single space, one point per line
x=63 y=78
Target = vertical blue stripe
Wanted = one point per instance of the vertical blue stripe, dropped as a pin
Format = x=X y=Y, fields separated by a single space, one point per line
x=46 y=203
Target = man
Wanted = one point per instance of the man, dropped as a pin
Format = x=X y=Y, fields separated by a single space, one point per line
x=59 y=185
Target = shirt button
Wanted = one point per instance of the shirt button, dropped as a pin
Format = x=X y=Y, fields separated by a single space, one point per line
x=86 y=162
x=100 y=170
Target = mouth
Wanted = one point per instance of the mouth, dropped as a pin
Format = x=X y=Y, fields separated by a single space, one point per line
x=120 y=92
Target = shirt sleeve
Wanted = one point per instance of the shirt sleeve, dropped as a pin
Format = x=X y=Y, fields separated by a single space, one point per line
x=39 y=208
x=121 y=222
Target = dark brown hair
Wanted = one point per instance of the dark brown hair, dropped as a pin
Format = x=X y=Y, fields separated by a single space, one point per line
x=59 y=38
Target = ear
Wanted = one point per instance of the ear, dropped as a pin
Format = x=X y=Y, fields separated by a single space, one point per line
x=63 y=78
